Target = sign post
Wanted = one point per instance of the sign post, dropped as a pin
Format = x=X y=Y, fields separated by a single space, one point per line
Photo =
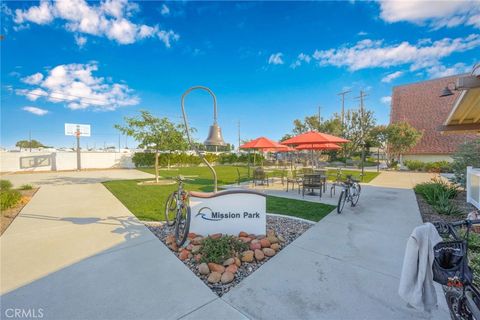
x=77 y=130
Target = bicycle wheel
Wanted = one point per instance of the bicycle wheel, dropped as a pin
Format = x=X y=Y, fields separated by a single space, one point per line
x=171 y=209
x=457 y=305
x=356 y=189
x=341 y=201
x=182 y=225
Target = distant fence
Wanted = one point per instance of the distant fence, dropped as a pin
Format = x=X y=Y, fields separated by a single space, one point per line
x=57 y=161
x=473 y=186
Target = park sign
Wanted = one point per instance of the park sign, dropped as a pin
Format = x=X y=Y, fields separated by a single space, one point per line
x=228 y=212
x=72 y=129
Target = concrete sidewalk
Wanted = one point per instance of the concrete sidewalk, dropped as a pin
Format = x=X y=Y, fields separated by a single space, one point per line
x=76 y=252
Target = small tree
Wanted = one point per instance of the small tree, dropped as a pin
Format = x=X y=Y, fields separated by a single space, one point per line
x=26 y=144
x=400 y=138
x=468 y=154
x=157 y=134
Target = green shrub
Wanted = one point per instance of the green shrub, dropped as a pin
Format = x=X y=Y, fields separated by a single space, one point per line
x=5 y=185
x=438 y=194
x=26 y=187
x=443 y=205
x=468 y=154
x=414 y=165
x=9 y=198
x=219 y=250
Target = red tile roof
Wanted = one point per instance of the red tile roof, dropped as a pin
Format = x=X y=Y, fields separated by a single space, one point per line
x=421 y=106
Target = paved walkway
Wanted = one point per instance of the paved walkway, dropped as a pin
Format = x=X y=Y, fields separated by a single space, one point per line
x=85 y=256
x=403 y=180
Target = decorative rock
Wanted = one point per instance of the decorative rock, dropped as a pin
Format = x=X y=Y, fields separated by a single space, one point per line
x=197 y=240
x=196 y=249
x=215 y=236
x=265 y=243
x=227 y=277
x=192 y=235
x=254 y=246
x=259 y=256
x=272 y=239
x=242 y=234
x=260 y=237
x=214 y=277
x=214 y=267
x=275 y=246
x=184 y=254
x=247 y=256
x=238 y=263
x=170 y=239
x=229 y=261
x=173 y=246
x=279 y=237
x=189 y=247
x=270 y=233
x=251 y=235
x=245 y=239
x=203 y=268
x=269 y=252
x=232 y=269
x=198 y=257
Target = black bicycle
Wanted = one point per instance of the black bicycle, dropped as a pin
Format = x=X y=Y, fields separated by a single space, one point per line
x=450 y=268
x=350 y=193
x=177 y=212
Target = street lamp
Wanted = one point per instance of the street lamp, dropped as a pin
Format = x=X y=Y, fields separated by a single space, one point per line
x=214 y=135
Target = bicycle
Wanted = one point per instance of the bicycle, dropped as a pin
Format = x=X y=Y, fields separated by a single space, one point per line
x=463 y=297
x=350 y=193
x=177 y=212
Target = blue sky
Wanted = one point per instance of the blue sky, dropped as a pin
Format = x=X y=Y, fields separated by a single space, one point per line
x=268 y=63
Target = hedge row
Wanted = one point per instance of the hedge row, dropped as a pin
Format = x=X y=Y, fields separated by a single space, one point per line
x=438 y=166
x=147 y=159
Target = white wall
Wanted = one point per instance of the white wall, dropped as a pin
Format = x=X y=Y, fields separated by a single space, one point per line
x=53 y=161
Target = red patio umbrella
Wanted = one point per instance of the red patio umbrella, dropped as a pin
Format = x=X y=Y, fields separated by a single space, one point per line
x=314 y=137
x=263 y=144
x=319 y=146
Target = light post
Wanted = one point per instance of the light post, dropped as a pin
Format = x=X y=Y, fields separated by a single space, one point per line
x=214 y=135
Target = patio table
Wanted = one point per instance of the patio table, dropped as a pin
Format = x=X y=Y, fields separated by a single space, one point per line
x=315 y=177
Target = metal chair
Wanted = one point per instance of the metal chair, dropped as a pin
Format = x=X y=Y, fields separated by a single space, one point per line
x=260 y=177
x=312 y=182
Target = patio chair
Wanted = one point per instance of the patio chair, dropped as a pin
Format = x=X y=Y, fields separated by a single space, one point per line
x=312 y=182
x=293 y=178
x=260 y=177
x=239 y=176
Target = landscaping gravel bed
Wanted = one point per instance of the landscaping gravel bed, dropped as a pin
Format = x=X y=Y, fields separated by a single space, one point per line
x=429 y=214
x=286 y=229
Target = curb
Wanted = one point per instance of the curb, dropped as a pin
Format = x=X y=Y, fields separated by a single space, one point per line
x=290 y=217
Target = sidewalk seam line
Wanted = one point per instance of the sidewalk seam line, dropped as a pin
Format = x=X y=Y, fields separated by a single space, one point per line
x=198 y=308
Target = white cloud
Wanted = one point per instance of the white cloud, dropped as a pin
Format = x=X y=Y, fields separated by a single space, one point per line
x=392 y=76
x=110 y=19
x=276 y=58
x=439 y=70
x=80 y=40
x=165 y=11
x=35 y=110
x=374 y=53
x=167 y=37
x=302 y=57
x=75 y=85
x=436 y=14
x=362 y=33
x=386 y=100
x=35 y=78
x=42 y=14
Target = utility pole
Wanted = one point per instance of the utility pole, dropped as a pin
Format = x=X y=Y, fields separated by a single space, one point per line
x=343 y=93
x=126 y=141
x=362 y=97
x=79 y=161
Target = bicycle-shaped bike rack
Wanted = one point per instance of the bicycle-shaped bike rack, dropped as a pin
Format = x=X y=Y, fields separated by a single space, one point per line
x=226 y=212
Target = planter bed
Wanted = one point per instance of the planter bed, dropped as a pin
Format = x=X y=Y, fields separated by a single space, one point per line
x=280 y=230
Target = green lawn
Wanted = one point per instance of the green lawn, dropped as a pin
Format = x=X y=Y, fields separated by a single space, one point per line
x=147 y=202
x=368 y=175
x=302 y=209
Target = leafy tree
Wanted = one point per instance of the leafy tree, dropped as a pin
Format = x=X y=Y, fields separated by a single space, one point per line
x=157 y=134
x=26 y=144
x=400 y=138
x=357 y=128
x=468 y=154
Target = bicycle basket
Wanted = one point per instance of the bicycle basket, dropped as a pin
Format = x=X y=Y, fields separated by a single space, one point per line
x=450 y=264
